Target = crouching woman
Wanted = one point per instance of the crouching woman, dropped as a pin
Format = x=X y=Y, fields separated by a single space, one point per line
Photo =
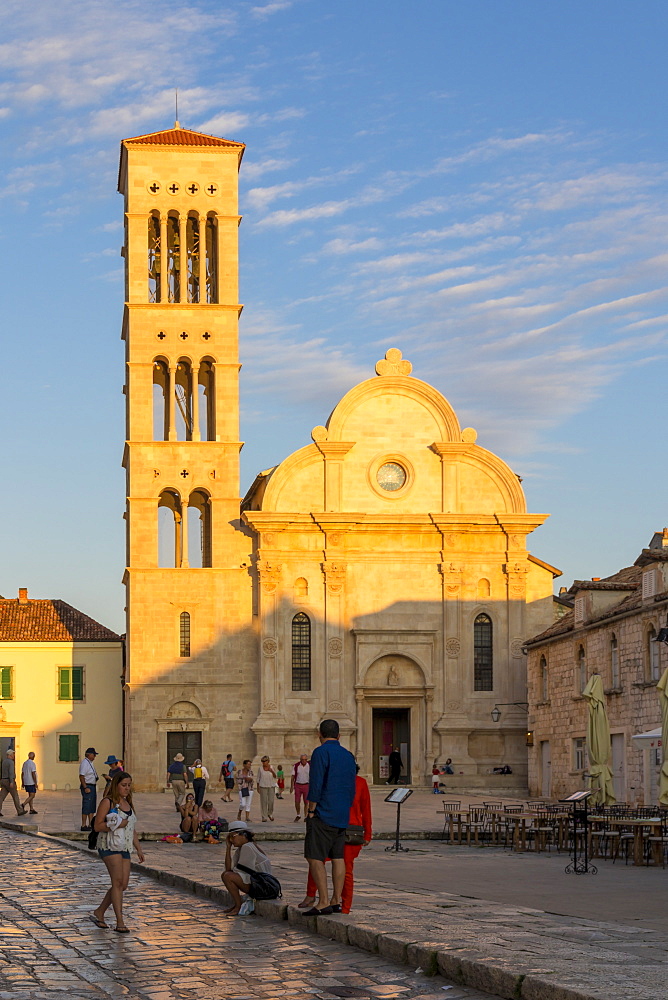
x=241 y=850
x=115 y=824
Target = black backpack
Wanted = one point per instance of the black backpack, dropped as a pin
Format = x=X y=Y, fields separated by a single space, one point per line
x=262 y=884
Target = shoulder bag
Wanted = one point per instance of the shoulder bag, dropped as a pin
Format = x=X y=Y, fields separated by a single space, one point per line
x=262 y=884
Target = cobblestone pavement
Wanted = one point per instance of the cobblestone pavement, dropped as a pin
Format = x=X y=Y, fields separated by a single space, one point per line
x=180 y=946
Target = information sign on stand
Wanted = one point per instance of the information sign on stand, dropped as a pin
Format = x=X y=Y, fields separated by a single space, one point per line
x=579 y=863
x=399 y=796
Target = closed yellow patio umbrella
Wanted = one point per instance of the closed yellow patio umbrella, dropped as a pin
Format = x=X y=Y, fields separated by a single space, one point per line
x=662 y=688
x=598 y=743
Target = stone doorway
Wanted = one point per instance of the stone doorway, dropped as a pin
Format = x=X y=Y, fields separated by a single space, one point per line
x=391 y=728
x=189 y=744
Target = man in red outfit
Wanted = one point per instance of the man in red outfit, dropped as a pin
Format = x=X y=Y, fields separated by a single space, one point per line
x=360 y=815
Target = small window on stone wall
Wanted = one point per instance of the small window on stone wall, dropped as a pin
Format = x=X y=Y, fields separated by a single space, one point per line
x=484 y=589
x=579 y=754
x=653 y=655
x=581 y=670
x=614 y=661
x=301 y=589
x=544 y=685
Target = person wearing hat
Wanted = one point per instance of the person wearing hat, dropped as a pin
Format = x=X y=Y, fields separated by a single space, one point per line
x=177 y=777
x=115 y=765
x=88 y=781
x=246 y=853
x=8 y=783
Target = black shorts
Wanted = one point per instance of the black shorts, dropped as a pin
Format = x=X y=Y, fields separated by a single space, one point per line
x=323 y=841
x=229 y=782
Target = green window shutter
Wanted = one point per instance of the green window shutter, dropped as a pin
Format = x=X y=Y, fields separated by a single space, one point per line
x=68 y=748
x=6 y=682
x=77 y=683
x=64 y=686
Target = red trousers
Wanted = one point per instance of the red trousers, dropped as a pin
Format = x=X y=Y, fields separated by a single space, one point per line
x=350 y=852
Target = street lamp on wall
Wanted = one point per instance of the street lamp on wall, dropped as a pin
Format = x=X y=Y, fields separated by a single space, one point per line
x=496 y=713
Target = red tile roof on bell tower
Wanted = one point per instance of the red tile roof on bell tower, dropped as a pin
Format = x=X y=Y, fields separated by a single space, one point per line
x=179 y=136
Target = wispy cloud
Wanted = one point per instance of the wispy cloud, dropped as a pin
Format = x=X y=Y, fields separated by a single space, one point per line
x=261 y=13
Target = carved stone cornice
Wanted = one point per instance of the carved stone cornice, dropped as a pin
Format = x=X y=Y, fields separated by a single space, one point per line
x=335 y=576
x=270 y=575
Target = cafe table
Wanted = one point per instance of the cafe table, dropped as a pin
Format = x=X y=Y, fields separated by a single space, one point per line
x=650 y=823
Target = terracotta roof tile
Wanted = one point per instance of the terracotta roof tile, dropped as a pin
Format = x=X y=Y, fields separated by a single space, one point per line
x=49 y=621
x=181 y=137
x=627 y=578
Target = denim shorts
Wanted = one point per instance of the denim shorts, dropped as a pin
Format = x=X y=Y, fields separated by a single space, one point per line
x=108 y=854
x=88 y=799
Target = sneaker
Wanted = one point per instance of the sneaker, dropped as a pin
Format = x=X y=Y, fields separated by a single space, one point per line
x=33 y=812
x=22 y=813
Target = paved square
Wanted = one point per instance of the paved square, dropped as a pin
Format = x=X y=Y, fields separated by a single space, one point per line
x=181 y=946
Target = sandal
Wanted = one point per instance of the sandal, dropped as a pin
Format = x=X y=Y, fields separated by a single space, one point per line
x=98 y=923
x=122 y=930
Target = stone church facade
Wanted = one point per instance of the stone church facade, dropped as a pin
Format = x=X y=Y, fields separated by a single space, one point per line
x=379 y=575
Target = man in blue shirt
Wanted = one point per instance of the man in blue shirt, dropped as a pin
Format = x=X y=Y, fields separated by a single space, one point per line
x=331 y=793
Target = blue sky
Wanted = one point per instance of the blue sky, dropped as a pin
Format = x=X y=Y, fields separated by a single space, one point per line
x=481 y=184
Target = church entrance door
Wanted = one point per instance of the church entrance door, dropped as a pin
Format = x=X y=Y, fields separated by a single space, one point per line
x=391 y=728
x=189 y=744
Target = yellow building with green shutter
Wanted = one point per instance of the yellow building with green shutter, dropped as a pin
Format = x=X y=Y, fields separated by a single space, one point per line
x=61 y=676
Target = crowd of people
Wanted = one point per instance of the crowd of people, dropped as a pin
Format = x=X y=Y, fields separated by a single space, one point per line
x=337 y=813
x=327 y=789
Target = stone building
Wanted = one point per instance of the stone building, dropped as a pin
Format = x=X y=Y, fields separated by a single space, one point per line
x=612 y=630
x=60 y=686
x=379 y=575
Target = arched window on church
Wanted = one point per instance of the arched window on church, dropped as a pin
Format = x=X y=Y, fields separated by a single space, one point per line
x=160 y=390
x=483 y=677
x=207 y=400
x=211 y=259
x=153 y=257
x=199 y=529
x=173 y=258
x=301 y=652
x=183 y=400
x=184 y=634
x=300 y=589
x=169 y=530
x=193 y=257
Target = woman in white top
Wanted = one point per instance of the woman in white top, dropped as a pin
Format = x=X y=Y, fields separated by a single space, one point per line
x=247 y=854
x=115 y=842
x=246 y=781
x=266 y=782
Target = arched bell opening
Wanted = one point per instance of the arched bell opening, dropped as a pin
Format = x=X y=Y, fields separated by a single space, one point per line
x=207 y=400
x=211 y=245
x=193 y=257
x=160 y=397
x=170 y=533
x=199 y=529
x=154 y=257
x=183 y=384
x=173 y=258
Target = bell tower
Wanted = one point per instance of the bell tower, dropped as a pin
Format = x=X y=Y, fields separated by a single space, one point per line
x=188 y=589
